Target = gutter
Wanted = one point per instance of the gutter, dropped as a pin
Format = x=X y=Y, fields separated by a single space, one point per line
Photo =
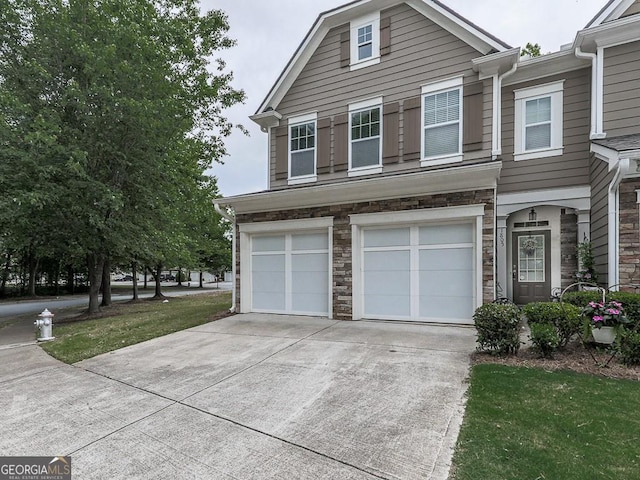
x=613 y=247
x=497 y=110
x=232 y=219
x=596 y=107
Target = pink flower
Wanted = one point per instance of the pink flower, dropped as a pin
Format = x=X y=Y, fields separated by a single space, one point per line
x=616 y=304
x=593 y=304
x=613 y=311
x=598 y=318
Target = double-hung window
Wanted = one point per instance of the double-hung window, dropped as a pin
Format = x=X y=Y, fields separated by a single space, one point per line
x=442 y=122
x=365 y=137
x=302 y=148
x=538 y=121
x=365 y=41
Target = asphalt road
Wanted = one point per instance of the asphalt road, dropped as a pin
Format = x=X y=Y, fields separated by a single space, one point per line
x=9 y=310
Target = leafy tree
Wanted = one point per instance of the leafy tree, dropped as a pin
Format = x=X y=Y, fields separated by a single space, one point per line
x=101 y=100
x=531 y=49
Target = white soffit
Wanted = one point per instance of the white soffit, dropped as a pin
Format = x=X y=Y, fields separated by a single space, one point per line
x=473 y=177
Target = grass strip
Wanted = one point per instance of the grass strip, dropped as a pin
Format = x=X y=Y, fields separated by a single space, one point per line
x=133 y=323
x=528 y=423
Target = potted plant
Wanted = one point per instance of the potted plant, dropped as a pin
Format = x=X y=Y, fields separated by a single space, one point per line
x=605 y=319
x=586 y=260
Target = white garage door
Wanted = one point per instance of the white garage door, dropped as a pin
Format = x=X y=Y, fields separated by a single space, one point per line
x=421 y=273
x=290 y=273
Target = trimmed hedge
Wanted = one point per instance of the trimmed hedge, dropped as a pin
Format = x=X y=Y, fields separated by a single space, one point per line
x=544 y=338
x=564 y=318
x=498 y=328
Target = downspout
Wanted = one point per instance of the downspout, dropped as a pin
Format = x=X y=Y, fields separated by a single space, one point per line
x=232 y=219
x=497 y=110
x=594 y=90
x=613 y=251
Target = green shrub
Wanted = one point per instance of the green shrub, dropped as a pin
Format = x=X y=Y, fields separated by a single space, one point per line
x=565 y=318
x=544 y=338
x=630 y=347
x=498 y=328
x=630 y=302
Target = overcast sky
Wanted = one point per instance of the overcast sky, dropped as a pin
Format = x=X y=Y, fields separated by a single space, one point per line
x=269 y=31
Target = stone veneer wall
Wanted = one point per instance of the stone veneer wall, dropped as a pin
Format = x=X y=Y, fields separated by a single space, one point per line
x=568 y=245
x=342 y=263
x=629 y=233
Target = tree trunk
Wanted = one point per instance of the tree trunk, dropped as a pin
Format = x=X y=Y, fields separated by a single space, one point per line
x=146 y=270
x=5 y=275
x=134 y=274
x=158 y=286
x=95 y=263
x=71 y=280
x=33 y=270
x=179 y=275
x=201 y=280
x=106 y=283
x=57 y=279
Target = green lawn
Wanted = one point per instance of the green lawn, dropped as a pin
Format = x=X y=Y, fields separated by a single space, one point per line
x=133 y=323
x=528 y=423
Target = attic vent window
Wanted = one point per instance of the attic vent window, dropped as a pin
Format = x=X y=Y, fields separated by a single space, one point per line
x=364 y=41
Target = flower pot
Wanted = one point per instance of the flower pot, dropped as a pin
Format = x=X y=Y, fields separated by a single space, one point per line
x=605 y=335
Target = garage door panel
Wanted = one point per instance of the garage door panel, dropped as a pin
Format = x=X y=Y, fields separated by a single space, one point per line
x=442 y=259
x=387 y=305
x=290 y=273
x=309 y=241
x=268 y=301
x=392 y=283
x=309 y=262
x=388 y=261
x=310 y=303
x=268 y=263
x=445 y=234
x=442 y=307
x=443 y=282
x=310 y=282
x=268 y=243
x=388 y=237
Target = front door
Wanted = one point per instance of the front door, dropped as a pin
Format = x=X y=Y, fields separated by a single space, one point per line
x=531 y=266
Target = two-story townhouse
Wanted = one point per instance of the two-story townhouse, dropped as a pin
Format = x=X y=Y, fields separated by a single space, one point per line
x=419 y=167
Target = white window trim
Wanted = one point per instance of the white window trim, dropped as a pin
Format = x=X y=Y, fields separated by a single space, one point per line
x=356 y=107
x=292 y=122
x=553 y=90
x=431 y=89
x=373 y=20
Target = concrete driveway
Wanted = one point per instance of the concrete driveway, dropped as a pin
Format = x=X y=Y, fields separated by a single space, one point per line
x=247 y=397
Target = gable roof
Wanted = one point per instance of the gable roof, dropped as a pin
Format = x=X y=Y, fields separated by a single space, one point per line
x=456 y=24
x=613 y=10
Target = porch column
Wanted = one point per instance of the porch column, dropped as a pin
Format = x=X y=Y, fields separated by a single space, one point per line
x=584 y=225
x=501 y=256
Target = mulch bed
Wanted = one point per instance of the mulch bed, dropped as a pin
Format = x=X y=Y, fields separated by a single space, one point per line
x=575 y=357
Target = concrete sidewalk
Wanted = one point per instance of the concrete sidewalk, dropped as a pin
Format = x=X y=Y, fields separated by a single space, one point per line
x=248 y=396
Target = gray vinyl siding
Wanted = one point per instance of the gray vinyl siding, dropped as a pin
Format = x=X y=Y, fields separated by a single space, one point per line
x=566 y=170
x=634 y=9
x=600 y=180
x=421 y=52
x=622 y=89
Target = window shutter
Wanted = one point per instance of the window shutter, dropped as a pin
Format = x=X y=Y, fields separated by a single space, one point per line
x=412 y=126
x=324 y=145
x=472 y=117
x=282 y=153
x=390 y=132
x=385 y=36
x=340 y=142
x=345 y=49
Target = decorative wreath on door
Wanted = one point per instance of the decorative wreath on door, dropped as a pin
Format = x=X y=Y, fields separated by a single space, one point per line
x=529 y=246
